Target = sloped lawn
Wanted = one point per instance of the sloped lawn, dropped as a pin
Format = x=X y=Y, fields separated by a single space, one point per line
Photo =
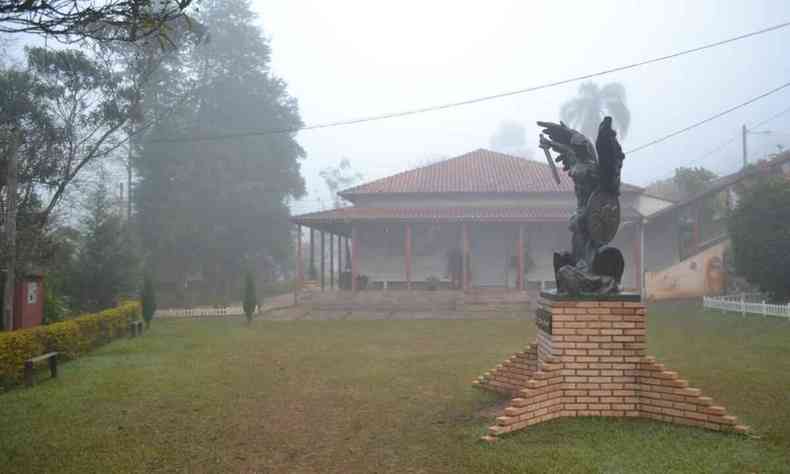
x=379 y=396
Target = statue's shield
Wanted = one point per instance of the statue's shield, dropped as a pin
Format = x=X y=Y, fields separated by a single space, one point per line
x=603 y=216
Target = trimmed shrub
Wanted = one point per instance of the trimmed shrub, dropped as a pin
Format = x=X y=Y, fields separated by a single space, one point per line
x=249 y=299
x=148 y=296
x=71 y=338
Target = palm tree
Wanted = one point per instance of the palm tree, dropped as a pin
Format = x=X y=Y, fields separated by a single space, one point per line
x=585 y=111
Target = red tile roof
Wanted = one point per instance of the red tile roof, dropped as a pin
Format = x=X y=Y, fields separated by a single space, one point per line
x=480 y=171
x=444 y=214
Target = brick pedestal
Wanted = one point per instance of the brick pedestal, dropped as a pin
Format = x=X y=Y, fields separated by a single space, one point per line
x=589 y=360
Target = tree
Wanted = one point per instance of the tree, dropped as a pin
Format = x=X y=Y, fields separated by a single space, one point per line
x=109 y=20
x=685 y=183
x=585 y=111
x=208 y=205
x=691 y=181
x=249 y=299
x=105 y=266
x=25 y=131
x=89 y=109
x=511 y=138
x=338 y=178
x=148 y=297
x=759 y=228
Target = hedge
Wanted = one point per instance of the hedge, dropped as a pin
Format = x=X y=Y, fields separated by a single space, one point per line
x=70 y=338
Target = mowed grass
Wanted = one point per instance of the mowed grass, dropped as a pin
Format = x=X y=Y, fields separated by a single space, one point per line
x=380 y=396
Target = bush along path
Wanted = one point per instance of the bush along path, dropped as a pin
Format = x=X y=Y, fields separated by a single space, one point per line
x=70 y=339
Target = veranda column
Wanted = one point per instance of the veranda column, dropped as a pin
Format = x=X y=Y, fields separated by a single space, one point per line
x=520 y=253
x=354 y=256
x=339 y=259
x=332 y=261
x=407 y=255
x=323 y=260
x=299 y=262
x=311 y=269
x=465 y=260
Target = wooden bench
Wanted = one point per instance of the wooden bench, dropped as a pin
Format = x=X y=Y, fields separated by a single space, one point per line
x=135 y=328
x=30 y=363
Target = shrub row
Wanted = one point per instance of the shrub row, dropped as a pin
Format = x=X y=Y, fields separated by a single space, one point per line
x=70 y=338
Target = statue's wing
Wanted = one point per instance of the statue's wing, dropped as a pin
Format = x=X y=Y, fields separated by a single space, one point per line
x=558 y=132
x=561 y=133
x=610 y=156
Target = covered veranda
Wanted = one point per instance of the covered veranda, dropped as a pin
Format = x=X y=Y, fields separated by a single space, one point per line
x=358 y=248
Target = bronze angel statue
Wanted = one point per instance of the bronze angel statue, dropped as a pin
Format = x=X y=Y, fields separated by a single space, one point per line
x=591 y=266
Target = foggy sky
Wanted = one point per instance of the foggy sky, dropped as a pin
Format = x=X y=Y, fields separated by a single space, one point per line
x=345 y=59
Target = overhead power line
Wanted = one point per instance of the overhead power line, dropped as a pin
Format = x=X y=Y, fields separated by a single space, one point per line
x=450 y=105
x=735 y=137
x=709 y=119
x=720 y=146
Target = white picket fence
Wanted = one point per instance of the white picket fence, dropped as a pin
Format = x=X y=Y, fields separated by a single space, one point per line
x=200 y=311
x=746 y=304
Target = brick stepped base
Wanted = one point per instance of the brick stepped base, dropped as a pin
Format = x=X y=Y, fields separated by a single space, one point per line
x=589 y=360
x=512 y=375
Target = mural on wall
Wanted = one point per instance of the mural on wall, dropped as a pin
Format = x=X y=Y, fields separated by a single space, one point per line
x=701 y=275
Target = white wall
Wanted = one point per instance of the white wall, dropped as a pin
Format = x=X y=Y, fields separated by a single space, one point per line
x=381 y=245
x=647 y=205
x=381 y=251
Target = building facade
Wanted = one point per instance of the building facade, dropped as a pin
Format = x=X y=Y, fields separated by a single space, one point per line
x=479 y=220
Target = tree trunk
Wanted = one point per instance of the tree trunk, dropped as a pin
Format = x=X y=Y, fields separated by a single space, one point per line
x=10 y=235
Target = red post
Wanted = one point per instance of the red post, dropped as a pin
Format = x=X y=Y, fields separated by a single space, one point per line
x=299 y=262
x=520 y=253
x=354 y=257
x=467 y=252
x=339 y=259
x=407 y=255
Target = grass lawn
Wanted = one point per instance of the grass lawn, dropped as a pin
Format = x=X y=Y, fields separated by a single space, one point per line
x=380 y=396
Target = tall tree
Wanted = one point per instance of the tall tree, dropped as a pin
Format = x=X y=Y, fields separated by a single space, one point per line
x=760 y=231
x=105 y=267
x=510 y=137
x=206 y=205
x=692 y=180
x=585 y=111
x=88 y=107
x=109 y=20
x=26 y=134
x=338 y=178
x=686 y=182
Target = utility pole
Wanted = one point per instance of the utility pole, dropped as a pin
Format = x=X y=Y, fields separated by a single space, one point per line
x=744 y=131
x=10 y=234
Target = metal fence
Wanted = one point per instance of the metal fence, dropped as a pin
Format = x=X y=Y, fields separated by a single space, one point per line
x=747 y=303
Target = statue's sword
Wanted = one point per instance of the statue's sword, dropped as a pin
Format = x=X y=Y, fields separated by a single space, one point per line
x=545 y=145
